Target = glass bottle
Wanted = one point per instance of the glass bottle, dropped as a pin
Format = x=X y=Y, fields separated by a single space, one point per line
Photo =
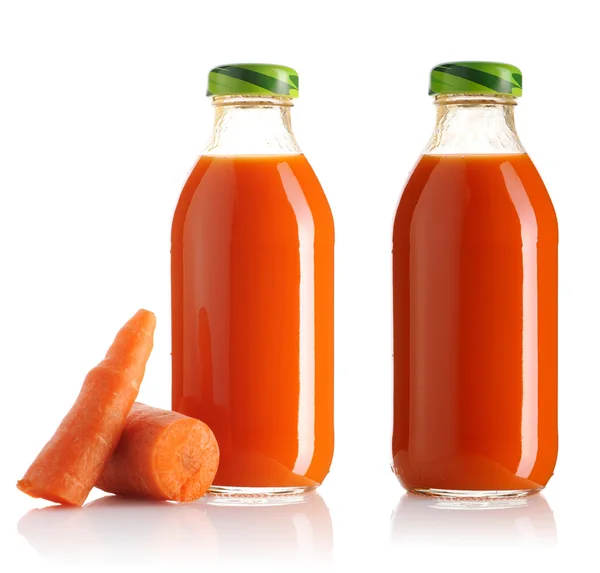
x=252 y=291
x=475 y=300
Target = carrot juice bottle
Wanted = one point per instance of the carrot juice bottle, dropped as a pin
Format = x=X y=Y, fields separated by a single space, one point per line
x=475 y=300
x=252 y=291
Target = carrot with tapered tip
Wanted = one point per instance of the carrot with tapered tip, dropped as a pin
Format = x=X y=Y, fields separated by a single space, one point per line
x=71 y=462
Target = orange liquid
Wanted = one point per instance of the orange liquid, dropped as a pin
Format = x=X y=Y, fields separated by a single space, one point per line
x=252 y=317
x=475 y=326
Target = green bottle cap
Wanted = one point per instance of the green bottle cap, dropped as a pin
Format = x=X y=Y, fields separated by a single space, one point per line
x=476 y=78
x=253 y=79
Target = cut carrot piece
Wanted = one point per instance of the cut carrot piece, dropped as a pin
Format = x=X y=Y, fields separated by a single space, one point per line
x=71 y=462
x=162 y=455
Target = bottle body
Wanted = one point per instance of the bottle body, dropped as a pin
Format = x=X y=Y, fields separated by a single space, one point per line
x=475 y=326
x=252 y=318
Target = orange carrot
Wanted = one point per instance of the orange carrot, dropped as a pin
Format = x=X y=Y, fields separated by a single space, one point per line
x=71 y=462
x=162 y=455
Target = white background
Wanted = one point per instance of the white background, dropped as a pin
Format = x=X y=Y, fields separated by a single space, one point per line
x=103 y=115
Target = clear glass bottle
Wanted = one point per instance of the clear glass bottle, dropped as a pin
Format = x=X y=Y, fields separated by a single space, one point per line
x=475 y=300
x=252 y=291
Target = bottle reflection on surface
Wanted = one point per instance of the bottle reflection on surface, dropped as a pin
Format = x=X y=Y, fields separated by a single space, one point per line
x=113 y=529
x=272 y=531
x=521 y=521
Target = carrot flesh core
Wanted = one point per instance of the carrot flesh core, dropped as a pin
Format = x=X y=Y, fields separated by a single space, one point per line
x=71 y=462
x=162 y=455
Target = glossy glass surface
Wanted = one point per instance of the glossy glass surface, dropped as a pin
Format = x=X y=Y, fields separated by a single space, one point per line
x=252 y=301
x=475 y=326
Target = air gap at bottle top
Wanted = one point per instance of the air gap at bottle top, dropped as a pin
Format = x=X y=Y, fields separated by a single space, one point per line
x=475 y=300
x=252 y=291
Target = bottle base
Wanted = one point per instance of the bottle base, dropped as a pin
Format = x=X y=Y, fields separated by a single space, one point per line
x=475 y=494
x=227 y=495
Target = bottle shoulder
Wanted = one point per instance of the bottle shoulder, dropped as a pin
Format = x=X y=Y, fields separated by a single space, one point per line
x=273 y=190
x=261 y=175
x=500 y=191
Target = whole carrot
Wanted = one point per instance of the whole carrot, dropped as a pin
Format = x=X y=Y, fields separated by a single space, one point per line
x=71 y=462
x=162 y=455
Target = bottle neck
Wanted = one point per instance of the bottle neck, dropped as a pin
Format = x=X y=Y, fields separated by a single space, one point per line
x=252 y=125
x=474 y=124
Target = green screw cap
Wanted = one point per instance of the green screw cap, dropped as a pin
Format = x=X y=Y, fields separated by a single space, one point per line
x=253 y=79
x=476 y=78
